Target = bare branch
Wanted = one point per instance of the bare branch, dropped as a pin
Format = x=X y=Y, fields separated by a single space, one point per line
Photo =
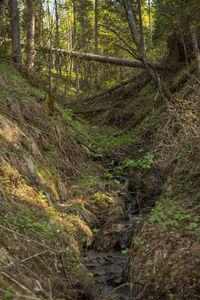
x=132 y=50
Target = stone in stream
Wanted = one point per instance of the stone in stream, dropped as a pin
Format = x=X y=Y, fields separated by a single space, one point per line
x=113 y=236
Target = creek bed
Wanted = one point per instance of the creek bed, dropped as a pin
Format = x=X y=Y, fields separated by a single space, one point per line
x=107 y=266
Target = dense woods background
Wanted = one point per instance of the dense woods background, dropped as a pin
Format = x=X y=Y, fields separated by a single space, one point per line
x=167 y=31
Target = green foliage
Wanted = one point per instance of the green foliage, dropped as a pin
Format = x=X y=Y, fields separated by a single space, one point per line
x=144 y=163
x=99 y=197
x=124 y=251
x=10 y=292
x=128 y=165
x=90 y=274
x=110 y=143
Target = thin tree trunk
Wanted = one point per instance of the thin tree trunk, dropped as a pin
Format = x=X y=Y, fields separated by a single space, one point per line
x=40 y=23
x=30 y=49
x=139 y=42
x=150 y=24
x=196 y=47
x=50 y=60
x=15 y=32
x=74 y=46
x=57 y=40
x=96 y=42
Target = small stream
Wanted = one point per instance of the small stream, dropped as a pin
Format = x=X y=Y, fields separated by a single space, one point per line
x=107 y=267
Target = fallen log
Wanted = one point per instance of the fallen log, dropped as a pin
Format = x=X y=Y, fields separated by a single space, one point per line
x=112 y=89
x=103 y=59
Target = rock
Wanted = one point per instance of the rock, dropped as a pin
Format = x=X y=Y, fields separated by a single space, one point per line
x=113 y=235
x=89 y=218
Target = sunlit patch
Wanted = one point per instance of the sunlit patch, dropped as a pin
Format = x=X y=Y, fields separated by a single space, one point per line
x=14 y=135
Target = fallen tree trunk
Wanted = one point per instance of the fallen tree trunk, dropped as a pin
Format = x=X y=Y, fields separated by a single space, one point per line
x=103 y=59
x=120 y=86
x=111 y=90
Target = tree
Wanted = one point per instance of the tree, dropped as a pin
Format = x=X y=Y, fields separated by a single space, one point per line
x=75 y=46
x=173 y=21
x=96 y=41
x=30 y=48
x=15 y=32
x=140 y=50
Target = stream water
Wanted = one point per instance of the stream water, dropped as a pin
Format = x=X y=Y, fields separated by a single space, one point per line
x=107 y=267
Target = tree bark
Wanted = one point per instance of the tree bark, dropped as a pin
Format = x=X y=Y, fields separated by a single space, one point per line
x=57 y=40
x=50 y=60
x=96 y=42
x=139 y=42
x=103 y=59
x=15 y=32
x=30 y=49
x=40 y=23
x=150 y=24
x=196 y=47
x=74 y=46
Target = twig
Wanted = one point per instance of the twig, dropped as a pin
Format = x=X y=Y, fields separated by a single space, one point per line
x=64 y=271
x=120 y=286
x=21 y=296
x=194 y=208
x=3 y=195
x=37 y=254
x=17 y=282
x=142 y=292
x=29 y=239
x=50 y=289
x=132 y=50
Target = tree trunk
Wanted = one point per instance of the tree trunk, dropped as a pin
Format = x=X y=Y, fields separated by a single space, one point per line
x=196 y=47
x=104 y=59
x=150 y=25
x=40 y=23
x=50 y=60
x=74 y=46
x=57 y=40
x=15 y=32
x=139 y=42
x=96 y=42
x=30 y=49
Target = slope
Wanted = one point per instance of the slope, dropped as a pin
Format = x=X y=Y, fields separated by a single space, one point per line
x=46 y=197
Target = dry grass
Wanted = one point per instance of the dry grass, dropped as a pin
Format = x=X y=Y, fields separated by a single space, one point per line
x=39 y=244
x=164 y=256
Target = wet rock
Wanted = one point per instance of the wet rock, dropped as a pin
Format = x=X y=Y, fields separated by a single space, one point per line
x=113 y=235
x=88 y=217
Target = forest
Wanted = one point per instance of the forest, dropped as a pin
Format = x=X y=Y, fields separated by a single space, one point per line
x=99 y=149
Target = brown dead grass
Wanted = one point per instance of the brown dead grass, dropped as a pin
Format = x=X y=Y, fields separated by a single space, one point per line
x=164 y=256
x=39 y=244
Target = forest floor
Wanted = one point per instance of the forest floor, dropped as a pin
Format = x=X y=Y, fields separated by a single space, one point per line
x=66 y=185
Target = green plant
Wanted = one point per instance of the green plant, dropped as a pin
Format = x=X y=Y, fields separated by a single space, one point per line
x=191 y=226
x=10 y=292
x=124 y=251
x=98 y=197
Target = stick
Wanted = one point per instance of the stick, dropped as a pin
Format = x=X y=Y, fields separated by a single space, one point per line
x=17 y=282
x=37 y=254
x=29 y=239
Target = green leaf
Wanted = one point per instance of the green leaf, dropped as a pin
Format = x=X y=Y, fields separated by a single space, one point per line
x=90 y=274
x=10 y=289
x=125 y=251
